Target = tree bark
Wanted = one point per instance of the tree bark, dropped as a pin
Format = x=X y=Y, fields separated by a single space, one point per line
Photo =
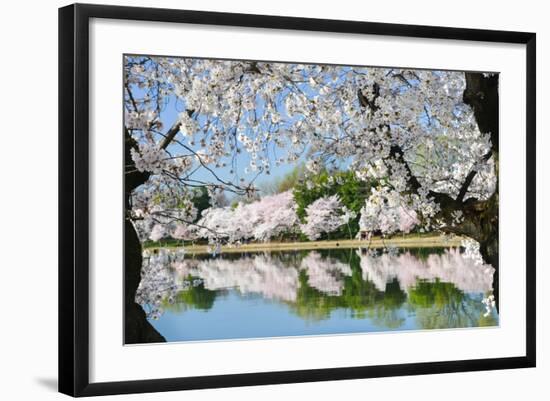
x=481 y=94
x=136 y=327
x=481 y=223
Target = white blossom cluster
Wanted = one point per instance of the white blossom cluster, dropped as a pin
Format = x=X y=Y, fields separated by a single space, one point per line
x=387 y=211
x=471 y=250
x=136 y=120
x=149 y=158
x=264 y=219
x=382 y=123
x=325 y=215
x=158 y=214
x=261 y=220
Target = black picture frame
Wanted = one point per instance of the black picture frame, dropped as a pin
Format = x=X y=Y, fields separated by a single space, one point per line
x=74 y=198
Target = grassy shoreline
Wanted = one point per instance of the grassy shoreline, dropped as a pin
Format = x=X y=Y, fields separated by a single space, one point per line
x=406 y=241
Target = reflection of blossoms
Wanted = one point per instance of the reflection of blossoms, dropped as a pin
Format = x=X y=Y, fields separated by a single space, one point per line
x=261 y=274
x=471 y=250
x=158 y=282
x=325 y=274
x=166 y=273
x=489 y=303
x=451 y=267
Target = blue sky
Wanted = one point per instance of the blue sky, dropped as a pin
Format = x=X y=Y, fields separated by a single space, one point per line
x=169 y=116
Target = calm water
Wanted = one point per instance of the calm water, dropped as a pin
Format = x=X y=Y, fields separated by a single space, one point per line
x=272 y=294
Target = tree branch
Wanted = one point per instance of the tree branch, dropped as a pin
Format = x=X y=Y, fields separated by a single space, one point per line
x=397 y=153
x=469 y=178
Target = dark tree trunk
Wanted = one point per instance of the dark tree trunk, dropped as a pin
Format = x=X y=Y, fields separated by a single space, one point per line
x=481 y=224
x=136 y=327
x=481 y=94
x=480 y=216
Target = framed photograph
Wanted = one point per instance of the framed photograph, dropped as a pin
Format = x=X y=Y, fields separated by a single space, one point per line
x=250 y=199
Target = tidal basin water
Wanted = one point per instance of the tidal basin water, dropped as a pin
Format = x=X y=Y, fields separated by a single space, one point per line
x=253 y=295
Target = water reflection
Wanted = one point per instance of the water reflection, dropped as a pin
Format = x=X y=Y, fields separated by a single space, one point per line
x=449 y=267
x=312 y=292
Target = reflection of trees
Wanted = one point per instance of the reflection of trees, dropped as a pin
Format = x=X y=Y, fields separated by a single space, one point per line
x=310 y=303
x=440 y=305
x=487 y=321
x=256 y=274
x=359 y=296
x=449 y=267
x=316 y=283
x=325 y=273
x=387 y=312
x=196 y=297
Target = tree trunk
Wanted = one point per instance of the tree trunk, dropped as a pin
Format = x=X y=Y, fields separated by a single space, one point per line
x=485 y=230
x=481 y=94
x=480 y=216
x=136 y=327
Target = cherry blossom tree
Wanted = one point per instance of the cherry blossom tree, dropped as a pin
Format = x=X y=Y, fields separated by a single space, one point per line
x=261 y=220
x=323 y=216
x=275 y=215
